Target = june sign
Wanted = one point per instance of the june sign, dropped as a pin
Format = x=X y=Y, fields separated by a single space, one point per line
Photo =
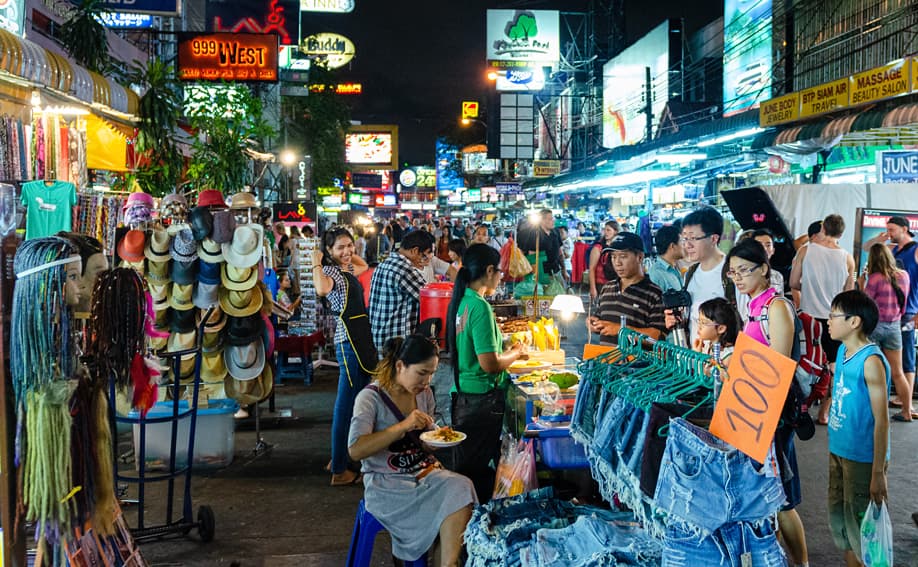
x=335 y=49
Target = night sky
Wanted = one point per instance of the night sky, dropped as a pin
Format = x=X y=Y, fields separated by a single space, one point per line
x=418 y=59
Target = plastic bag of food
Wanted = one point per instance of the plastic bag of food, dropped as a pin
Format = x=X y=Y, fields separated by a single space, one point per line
x=876 y=537
x=519 y=266
x=516 y=471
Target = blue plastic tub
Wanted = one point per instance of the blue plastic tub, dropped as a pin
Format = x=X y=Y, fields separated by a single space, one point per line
x=559 y=450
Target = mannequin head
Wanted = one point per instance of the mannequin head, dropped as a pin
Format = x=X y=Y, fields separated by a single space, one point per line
x=94 y=262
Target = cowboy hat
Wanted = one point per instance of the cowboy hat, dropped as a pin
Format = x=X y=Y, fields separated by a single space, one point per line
x=215 y=322
x=158 y=272
x=246 y=247
x=184 y=273
x=239 y=279
x=211 y=198
x=183 y=248
x=250 y=391
x=243 y=330
x=205 y=295
x=208 y=273
x=210 y=250
x=243 y=200
x=245 y=362
x=131 y=246
x=157 y=248
x=180 y=298
x=202 y=222
x=240 y=303
x=224 y=225
x=213 y=367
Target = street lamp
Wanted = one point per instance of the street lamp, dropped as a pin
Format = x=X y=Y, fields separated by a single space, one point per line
x=288 y=158
x=468 y=121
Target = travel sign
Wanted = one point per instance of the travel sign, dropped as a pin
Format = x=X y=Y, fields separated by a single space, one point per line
x=523 y=36
x=228 y=57
x=335 y=6
x=336 y=50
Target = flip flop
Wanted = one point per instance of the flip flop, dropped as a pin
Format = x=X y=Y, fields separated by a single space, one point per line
x=901 y=418
x=356 y=480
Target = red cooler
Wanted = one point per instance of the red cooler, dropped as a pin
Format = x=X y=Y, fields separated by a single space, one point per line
x=435 y=299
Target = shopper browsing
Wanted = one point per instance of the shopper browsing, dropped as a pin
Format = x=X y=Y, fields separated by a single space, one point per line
x=858 y=421
x=664 y=271
x=631 y=295
x=770 y=320
x=334 y=277
x=406 y=489
x=479 y=366
x=718 y=322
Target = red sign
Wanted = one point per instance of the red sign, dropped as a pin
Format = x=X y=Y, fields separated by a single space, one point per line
x=227 y=57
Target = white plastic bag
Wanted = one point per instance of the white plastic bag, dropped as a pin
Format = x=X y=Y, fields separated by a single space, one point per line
x=876 y=537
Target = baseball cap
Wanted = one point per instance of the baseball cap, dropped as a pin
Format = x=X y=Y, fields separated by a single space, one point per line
x=627 y=241
x=901 y=221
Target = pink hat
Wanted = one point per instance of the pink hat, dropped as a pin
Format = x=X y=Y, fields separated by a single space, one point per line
x=138 y=198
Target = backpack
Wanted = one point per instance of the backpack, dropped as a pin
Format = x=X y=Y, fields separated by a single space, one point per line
x=812 y=376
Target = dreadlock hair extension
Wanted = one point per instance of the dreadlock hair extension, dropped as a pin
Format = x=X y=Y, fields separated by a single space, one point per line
x=118 y=313
x=42 y=349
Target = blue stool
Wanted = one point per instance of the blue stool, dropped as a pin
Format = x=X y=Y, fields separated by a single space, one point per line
x=365 y=529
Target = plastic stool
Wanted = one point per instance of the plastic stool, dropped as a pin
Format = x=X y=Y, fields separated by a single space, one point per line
x=365 y=529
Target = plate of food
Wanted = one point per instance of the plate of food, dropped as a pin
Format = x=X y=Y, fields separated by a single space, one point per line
x=443 y=437
x=528 y=366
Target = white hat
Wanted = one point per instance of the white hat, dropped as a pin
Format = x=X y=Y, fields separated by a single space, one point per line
x=246 y=248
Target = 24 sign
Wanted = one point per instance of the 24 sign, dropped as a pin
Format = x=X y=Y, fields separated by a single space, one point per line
x=751 y=400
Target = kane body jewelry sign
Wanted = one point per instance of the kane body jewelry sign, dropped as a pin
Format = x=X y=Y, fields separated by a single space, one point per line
x=228 y=57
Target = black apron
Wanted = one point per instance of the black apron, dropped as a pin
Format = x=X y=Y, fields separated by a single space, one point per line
x=357 y=324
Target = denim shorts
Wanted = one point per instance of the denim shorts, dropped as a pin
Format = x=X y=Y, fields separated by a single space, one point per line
x=888 y=336
x=592 y=541
x=725 y=547
x=705 y=483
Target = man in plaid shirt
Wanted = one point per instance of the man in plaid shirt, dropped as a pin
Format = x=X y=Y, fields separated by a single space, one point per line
x=395 y=289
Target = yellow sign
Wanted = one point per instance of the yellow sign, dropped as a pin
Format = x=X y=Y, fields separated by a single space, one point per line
x=334 y=49
x=914 y=61
x=883 y=82
x=470 y=109
x=824 y=98
x=779 y=110
x=546 y=167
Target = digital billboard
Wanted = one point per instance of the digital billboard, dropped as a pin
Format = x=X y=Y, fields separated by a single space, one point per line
x=371 y=146
x=747 y=54
x=449 y=168
x=624 y=80
x=517 y=38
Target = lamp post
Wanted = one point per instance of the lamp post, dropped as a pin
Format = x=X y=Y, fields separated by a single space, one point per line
x=287 y=158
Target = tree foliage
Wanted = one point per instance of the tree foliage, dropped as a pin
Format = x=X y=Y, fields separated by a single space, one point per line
x=228 y=120
x=159 y=160
x=84 y=37
x=317 y=124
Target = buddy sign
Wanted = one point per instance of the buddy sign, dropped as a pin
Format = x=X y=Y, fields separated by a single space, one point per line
x=228 y=57
x=517 y=38
x=336 y=50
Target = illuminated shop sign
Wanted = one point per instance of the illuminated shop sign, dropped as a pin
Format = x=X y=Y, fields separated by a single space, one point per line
x=157 y=7
x=522 y=79
x=372 y=146
x=340 y=88
x=255 y=17
x=523 y=36
x=336 y=50
x=123 y=20
x=228 y=57
x=337 y=6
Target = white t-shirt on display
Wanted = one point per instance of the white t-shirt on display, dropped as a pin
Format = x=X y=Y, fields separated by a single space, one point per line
x=705 y=285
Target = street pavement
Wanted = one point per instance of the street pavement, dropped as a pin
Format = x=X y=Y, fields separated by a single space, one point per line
x=278 y=510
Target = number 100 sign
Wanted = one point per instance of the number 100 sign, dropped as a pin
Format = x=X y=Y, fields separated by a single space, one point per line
x=750 y=402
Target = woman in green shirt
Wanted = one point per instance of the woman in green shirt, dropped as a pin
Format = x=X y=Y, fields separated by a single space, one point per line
x=479 y=366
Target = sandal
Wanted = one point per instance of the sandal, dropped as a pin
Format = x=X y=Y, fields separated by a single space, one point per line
x=894 y=403
x=344 y=479
x=901 y=418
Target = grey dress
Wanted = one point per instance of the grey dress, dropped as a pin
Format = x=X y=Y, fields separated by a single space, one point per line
x=411 y=509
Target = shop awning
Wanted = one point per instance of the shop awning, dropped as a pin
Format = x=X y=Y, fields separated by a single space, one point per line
x=106 y=146
x=855 y=127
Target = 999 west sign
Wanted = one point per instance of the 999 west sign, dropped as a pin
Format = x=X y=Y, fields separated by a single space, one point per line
x=227 y=57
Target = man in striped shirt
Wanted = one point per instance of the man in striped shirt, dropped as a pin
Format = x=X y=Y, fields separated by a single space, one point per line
x=632 y=295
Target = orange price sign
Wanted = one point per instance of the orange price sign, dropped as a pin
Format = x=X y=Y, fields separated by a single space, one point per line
x=751 y=400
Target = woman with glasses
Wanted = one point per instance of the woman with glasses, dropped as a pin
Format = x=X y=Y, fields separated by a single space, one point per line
x=479 y=366
x=886 y=284
x=747 y=265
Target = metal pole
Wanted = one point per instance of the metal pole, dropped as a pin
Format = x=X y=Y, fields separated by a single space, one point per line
x=535 y=288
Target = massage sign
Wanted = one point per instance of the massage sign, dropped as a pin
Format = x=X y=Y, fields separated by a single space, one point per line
x=228 y=57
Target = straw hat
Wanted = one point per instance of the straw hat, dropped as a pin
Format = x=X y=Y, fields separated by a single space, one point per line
x=245 y=362
x=182 y=341
x=205 y=295
x=157 y=249
x=215 y=322
x=239 y=279
x=243 y=200
x=131 y=246
x=180 y=298
x=212 y=342
x=213 y=367
x=182 y=321
x=250 y=391
x=158 y=272
x=246 y=248
x=159 y=292
x=240 y=303
x=210 y=251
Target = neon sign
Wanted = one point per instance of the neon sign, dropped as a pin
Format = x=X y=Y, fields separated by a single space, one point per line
x=228 y=56
x=274 y=21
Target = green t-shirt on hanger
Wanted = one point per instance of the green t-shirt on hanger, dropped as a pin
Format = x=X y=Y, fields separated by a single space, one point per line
x=49 y=207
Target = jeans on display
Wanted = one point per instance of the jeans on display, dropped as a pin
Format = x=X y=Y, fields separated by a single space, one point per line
x=586 y=405
x=725 y=547
x=591 y=541
x=351 y=380
x=705 y=483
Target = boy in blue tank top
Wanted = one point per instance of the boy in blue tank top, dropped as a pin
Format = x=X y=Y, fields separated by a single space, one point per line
x=858 y=421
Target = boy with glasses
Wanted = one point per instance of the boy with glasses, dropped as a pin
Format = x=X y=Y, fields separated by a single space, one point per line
x=858 y=421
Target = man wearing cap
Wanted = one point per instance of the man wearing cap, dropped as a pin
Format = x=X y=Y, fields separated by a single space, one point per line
x=633 y=296
x=395 y=289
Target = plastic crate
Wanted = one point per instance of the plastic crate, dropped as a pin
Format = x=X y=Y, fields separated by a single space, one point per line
x=559 y=450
